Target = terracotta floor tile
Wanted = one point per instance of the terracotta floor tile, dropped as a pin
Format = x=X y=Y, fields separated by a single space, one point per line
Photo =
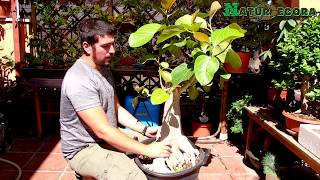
x=68 y=176
x=8 y=175
x=225 y=149
x=53 y=147
x=53 y=138
x=68 y=169
x=26 y=145
x=47 y=162
x=245 y=177
x=41 y=175
x=215 y=166
x=236 y=165
x=213 y=176
x=6 y=167
x=19 y=158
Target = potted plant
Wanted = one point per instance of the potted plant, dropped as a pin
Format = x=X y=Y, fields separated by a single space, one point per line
x=6 y=68
x=201 y=126
x=54 y=43
x=235 y=113
x=269 y=166
x=200 y=51
x=300 y=61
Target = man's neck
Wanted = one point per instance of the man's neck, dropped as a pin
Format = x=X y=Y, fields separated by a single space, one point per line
x=90 y=62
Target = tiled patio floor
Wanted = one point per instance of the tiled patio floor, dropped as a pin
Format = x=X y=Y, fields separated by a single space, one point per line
x=41 y=159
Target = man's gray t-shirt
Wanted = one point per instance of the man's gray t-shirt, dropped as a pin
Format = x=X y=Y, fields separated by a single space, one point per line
x=82 y=88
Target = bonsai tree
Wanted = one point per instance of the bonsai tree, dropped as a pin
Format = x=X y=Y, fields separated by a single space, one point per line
x=300 y=57
x=191 y=51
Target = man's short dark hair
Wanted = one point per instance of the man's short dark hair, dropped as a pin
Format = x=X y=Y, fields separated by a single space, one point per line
x=90 y=29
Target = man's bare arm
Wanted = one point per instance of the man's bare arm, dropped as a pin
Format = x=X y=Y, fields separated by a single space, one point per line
x=96 y=119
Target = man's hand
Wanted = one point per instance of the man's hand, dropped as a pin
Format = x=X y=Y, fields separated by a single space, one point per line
x=158 y=149
x=152 y=131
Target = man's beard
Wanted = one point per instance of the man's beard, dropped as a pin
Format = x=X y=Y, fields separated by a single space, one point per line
x=98 y=63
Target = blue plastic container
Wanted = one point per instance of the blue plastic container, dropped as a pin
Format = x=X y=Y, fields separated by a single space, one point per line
x=145 y=112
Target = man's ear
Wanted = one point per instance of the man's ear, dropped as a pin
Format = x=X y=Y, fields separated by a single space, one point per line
x=87 y=47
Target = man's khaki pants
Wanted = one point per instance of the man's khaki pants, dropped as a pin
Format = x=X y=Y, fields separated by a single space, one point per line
x=104 y=162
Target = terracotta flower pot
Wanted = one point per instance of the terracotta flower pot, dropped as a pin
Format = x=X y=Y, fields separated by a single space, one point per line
x=201 y=129
x=245 y=57
x=127 y=60
x=293 y=122
x=5 y=7
x=271 y=94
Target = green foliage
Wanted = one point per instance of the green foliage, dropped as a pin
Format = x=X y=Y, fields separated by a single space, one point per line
x=236 y=111
x=300 y=50
x=52 y=42
x=191 y=38
x=281 y=85
x=314 y=94
x=268 y=163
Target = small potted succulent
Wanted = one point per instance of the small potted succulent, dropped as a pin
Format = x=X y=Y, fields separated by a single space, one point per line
x=269 y=166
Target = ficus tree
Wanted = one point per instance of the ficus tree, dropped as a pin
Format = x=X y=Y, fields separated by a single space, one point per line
x=201 y=50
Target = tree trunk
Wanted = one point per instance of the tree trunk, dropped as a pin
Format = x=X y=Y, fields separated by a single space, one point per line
x=184 y=153
x=304 y=90
x=171 y=120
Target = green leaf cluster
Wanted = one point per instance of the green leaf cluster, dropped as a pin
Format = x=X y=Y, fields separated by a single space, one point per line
x=54 y=42
x=300 y=50
x=191 y=36
x=314 y=94
x=235 y=113
x=268 y=163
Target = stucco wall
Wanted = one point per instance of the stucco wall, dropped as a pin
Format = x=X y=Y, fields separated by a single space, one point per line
x=310 y=4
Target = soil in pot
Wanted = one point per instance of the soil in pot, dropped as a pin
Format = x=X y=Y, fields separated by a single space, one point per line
x=293 y=121
x=144 y=163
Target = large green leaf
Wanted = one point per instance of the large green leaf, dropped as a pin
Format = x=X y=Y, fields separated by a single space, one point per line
x=143 y=35
x=181 y=73
x=204 y=68
x=187 y=20
x=168 y=33
x=225 y=34
x=233 y=58
x=221 y=50
x=159 y=96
